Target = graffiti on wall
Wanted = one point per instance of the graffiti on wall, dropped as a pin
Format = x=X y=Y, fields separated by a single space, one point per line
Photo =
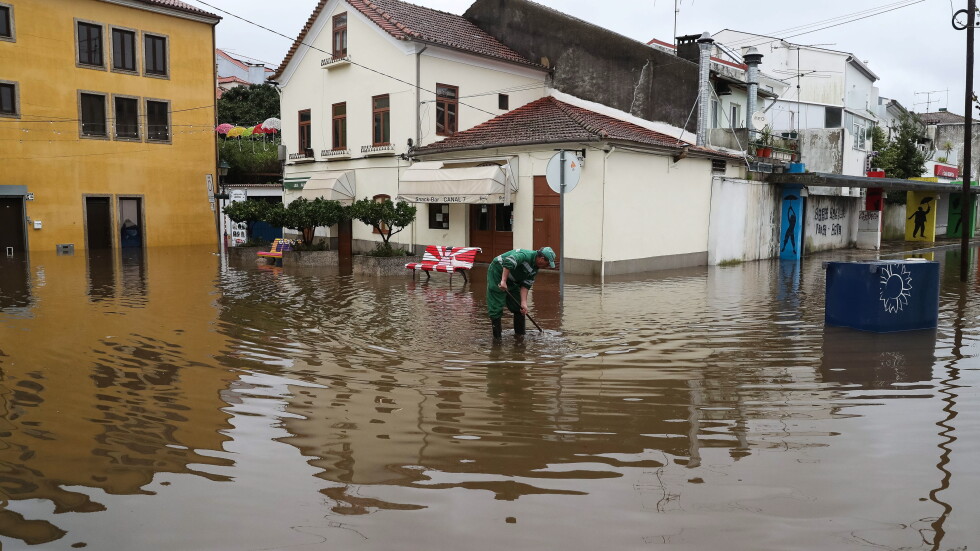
x=829 y=220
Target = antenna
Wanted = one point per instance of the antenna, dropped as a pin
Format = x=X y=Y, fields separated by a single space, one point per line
x=929 y=101
x=677 y=11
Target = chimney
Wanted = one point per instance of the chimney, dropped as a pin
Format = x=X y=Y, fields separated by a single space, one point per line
x=752 y=58
x=704 y=43
x=687 y=47
x=256 y=73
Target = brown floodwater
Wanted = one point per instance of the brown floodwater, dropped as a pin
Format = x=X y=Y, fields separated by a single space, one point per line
x=179 y=400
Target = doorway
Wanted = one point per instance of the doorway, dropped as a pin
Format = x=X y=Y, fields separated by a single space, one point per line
x=547 y=216
x=98 y=223
x=130 y=222
x=491 y=229
x=11 y=225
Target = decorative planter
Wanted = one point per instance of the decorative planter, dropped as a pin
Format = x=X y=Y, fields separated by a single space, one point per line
x=383 y=265
x=310 y=258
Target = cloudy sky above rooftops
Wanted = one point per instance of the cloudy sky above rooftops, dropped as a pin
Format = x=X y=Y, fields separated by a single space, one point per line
x=911 y=45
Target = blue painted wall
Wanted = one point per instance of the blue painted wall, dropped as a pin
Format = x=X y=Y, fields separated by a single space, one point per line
x=791 y=224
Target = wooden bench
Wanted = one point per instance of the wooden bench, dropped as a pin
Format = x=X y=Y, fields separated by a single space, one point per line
x=445 y=259
x=278 y=247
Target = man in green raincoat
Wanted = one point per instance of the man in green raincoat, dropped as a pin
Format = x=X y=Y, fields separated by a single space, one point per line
x=509 y=278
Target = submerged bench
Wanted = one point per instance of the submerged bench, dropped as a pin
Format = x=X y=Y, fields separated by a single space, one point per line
x=445 y=259
x=278 y=247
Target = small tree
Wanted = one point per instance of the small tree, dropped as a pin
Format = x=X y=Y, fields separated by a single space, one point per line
x=306 y=216
x=247 y=211
x=385 y=216
x=901 y=158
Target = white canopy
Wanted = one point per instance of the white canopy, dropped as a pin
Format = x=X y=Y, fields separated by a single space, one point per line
x=439 y=182
x=335 y=185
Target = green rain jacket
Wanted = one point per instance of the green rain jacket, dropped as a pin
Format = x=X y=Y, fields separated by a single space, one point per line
x=522 y=266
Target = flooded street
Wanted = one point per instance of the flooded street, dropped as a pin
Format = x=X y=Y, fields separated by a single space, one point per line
x=185 y=402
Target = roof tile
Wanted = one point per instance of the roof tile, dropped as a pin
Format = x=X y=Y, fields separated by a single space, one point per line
x=178 y=5
x=549 y=120
x=406 y=21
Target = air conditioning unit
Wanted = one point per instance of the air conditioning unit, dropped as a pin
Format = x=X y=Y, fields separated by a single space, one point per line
x=755 y=166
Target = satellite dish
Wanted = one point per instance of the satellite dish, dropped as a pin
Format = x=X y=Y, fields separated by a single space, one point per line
x=758 y=120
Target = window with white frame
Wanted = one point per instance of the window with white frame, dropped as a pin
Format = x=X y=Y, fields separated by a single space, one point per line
x=736 y=112
x=860 y=134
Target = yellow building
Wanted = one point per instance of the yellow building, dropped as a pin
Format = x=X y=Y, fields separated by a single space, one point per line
x=106 y=124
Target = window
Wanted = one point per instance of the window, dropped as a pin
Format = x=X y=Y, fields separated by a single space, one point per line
x=438 y=217
x=832 y=117
x=380 y=199
x=8 y=99
x=305 y=133
x=7 y=23
x=123 y=50
x=381 y=121
x=157 y=120
x=859 y=135
x=154 y=55
x=89 y=41
x=714 y=113
x=503 y=101
x=339 y=126
x=447 y=105
x=734 y=121
x=126 y=112
x=340 y=35
x=93 y=111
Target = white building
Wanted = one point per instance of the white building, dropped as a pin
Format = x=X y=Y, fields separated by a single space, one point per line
x=365 y=81
x=828 y=90
x=233 y=72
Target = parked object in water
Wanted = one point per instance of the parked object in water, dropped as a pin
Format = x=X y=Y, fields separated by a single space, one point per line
x=883 y=296
x=446 y=259
x=275 y=253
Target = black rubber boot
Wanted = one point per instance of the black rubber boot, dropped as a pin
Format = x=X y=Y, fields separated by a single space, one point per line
x=519 y=320
x=495 y=322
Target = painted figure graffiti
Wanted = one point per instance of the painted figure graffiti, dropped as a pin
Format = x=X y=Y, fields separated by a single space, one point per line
x=790 y=236
x=920 y=220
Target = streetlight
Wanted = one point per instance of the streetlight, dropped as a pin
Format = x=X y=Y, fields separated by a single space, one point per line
x=223 y=167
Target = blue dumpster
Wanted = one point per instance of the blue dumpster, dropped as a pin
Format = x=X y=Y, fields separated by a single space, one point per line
x=883 y=296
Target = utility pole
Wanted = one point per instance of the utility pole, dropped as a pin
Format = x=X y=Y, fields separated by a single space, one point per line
x=971 y=21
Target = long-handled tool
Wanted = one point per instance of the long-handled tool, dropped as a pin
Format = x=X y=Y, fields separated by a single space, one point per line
x=527 y=315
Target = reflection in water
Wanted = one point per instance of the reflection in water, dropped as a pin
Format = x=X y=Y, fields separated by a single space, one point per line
x=15 y=288
x=253 y=408
x=101 y=274
x=877 y=360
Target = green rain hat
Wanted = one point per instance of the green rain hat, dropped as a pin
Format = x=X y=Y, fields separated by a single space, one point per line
x=548 y=254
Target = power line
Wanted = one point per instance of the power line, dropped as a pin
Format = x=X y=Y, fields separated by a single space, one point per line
x=864 y=14
x=840 y=23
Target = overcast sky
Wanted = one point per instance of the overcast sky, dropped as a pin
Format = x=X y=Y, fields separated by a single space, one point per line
x=913 y=49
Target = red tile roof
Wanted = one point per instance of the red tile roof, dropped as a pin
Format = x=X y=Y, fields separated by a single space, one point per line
x=226 y=80
x=237 y=62
x=180 y=6
x=941 y=117
x=548 y=120
x=406 y=21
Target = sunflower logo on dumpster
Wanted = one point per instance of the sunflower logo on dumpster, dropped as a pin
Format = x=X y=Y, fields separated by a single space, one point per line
x=896 y=287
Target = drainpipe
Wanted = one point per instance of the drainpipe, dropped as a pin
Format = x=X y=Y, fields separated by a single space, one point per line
x=752 y=58
x=704 y=86
x=418 y=96
x=602 y=221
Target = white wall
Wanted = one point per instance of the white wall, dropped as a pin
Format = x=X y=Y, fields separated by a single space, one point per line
x=655 y=207
x=744 y=221
x=831 y=222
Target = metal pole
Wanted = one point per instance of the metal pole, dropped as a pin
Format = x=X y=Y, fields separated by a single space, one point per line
x=561 y=225
x=967 y=143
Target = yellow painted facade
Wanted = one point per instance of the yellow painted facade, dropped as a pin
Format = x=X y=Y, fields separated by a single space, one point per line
x=58 y=172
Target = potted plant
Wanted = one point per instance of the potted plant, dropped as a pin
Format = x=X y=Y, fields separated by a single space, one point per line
x=764 y=145
x=387 y=219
